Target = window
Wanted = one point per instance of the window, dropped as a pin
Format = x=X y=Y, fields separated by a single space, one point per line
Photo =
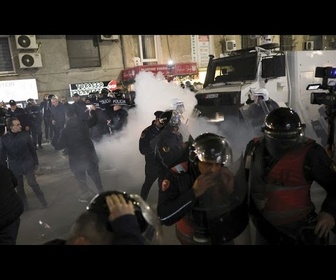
x=248 y=41
x=287 y=42
x=6 y=62
x=148 y=49
x=83 y=51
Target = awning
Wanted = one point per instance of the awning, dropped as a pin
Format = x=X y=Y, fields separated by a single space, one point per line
x=178 y=69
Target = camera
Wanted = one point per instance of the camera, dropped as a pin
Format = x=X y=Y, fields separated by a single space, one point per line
x=324 y=98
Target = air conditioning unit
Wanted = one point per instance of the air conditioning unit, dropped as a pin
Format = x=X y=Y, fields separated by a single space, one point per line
x=30 y=60
x=230 y=45
x=137 y=61
x=309 y=45
x=109 y=37
x=25 y=42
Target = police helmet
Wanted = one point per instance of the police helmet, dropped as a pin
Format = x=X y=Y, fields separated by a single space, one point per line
x=118 y=93
x=150 y=225
x=104 y=91
x=177 y=104
x=262 y=92
x=171 y=117
x=283 y=124
x=212 y=148
x=92 y=97
x=98 y=205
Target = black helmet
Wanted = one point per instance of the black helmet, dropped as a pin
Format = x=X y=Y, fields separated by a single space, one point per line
x=150 y=225
x=210 y=147
x=104 y=91
x=283 y=124
x=92 y=97
x=98 y=205
x=118 y=93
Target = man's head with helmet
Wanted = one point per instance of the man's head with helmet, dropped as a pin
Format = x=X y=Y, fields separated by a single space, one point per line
x=283 y=130
x=212 y=157
x=147 y=219
x=211 y=148
x=104 y=91
x=172 y=143
x=261 y=94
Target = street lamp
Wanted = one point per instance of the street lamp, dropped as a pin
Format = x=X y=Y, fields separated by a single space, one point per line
x=170 y=70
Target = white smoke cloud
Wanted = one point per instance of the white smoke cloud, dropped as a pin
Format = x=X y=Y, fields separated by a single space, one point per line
x=119 y=154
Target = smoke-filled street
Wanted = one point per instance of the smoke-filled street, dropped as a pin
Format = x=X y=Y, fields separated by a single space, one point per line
x=60 y=188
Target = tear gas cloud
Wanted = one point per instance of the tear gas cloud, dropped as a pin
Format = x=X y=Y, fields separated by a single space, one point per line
x=120 y=159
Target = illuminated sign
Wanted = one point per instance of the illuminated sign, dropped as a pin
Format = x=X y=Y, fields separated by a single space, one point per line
x=18 y=90
x=87 y=88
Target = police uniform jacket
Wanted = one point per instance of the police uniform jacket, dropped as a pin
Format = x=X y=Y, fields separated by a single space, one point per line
x=149 y=133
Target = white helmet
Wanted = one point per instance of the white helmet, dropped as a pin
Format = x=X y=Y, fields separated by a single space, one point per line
x=262 y=92
x=178 y=105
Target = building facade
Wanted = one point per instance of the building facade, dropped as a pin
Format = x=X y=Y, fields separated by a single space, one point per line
x=59 y=63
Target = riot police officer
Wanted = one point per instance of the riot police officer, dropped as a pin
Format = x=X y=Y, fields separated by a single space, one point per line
x=205 y=200
x=151 y=173
x=281 y=167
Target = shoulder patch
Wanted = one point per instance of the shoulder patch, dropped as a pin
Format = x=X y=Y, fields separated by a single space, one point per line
x=165 y=185
x=143 y=134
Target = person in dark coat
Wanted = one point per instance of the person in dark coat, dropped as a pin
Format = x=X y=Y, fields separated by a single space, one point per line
x=45 y=106
x=79 y=106
x=83 y=158
x=34 y=114
x=3 y=116
x=151 y=173
x=58 y=118
x=19 y=152
x=11 y=207
x=20 y=113
x=118 y=120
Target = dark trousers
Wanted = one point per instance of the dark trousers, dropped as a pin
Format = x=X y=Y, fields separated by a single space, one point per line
x=9 y=233
x=94 y=174
x=57 y=133
x=36 y=134
x=48 y=129
x=31 y=180
x=151 y=175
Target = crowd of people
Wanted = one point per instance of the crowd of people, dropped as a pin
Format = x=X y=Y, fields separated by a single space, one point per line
x=210 y=198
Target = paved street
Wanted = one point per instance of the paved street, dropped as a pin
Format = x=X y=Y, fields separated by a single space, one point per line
x=60 y=188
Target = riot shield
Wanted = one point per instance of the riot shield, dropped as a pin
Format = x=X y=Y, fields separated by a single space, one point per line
x=222 y=211
x=254 y=116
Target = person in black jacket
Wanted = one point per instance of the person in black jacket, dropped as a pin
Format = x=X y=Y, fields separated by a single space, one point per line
x=82 y=155
x=151 y=172
x=118 y=121
x=45 y=107
x=58 y=111
x=112 y=218
x=34 y=114
x=11 y=207
x=203 y=197
x=19 y=152
x=20 y=113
